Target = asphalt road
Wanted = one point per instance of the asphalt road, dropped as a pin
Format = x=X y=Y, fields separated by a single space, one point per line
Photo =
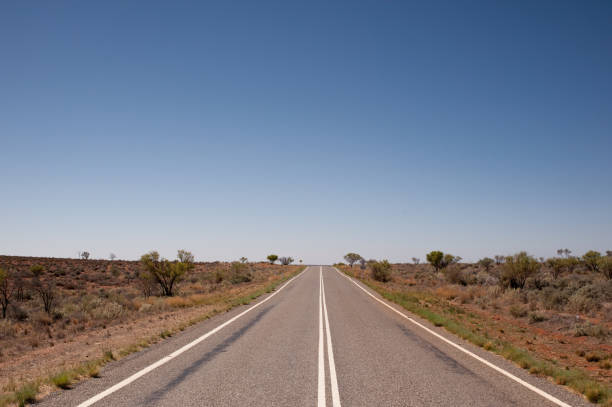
x=320 y=340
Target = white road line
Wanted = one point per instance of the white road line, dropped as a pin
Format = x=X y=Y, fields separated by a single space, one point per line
x=330 y=352
x=531 y=387
x=177 y=352
x=321 y=380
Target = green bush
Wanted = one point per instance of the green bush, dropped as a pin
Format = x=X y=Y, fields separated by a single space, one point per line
x=517 y=269
x=381 y=271
x=435 y=258
x=591 y=260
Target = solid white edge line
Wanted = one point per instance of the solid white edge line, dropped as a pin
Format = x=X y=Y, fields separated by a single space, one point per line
x=321 y=379
x=177 y=352
x=531 y=387
x=330 y=353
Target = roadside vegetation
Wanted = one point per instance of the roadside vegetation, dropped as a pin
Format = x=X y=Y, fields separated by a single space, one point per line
x=553 y=317
x=63 y=319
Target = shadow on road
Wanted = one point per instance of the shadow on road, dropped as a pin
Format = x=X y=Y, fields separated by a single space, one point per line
x=197 y=364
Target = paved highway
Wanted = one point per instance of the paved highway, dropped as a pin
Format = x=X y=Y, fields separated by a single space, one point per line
x=322 y=339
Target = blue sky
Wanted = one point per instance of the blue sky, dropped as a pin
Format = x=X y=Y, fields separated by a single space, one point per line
x=306 y=129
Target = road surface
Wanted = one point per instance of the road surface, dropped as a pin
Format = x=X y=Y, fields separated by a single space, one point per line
x=322 y=339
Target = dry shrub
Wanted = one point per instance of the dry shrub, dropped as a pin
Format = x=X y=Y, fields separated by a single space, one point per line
x=447 y=292
x=7 y=329
x=518 y=311
x=42 y=319
x=178 y=302
x=108 y=311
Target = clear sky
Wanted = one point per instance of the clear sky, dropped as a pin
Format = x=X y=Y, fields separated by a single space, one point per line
x=389 y=128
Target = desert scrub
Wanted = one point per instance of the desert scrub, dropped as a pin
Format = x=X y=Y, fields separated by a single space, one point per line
x=26 y=394
x=381 y=271
x=63 y=379
x=573 y=378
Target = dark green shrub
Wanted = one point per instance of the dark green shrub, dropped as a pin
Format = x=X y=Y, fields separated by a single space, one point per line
x=272 y=258
x=381 y=271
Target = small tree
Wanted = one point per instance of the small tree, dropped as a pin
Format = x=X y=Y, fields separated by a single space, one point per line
x=112 y=256
x=381 y=271
x=486 y=263
x=556 y=266
x=166 y=273
x=591 y=260
x=243 y=260
x=285 y=261
x=272 y=258
x=436 y=258
x=352 y=258
x=416 y=260
x=48 y=294
x=518 y=268
x=84 y=255
x=609 y=253
x=7 y=288
x=499 y=259
x=362 y=263
x=146 y=283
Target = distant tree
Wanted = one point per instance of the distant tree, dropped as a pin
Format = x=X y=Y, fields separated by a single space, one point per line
x=449 y=259
x=566 y=253
x=352 y=258
x=499 y=259
x=609 y=253
x=560 y=252
x=7 y=288
x=591 y=260
x=570 y=263
x=84 y=255
x=381 y=271
x=416 y=260
x=37 y=270
x=243 y=260
x=362 y=263
x=272 y=258
x=518 y=268
x=285 y=261
x=486 y=263
x=436 y=259
x=300 y=261
x=167 y=273
x=112 y=256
